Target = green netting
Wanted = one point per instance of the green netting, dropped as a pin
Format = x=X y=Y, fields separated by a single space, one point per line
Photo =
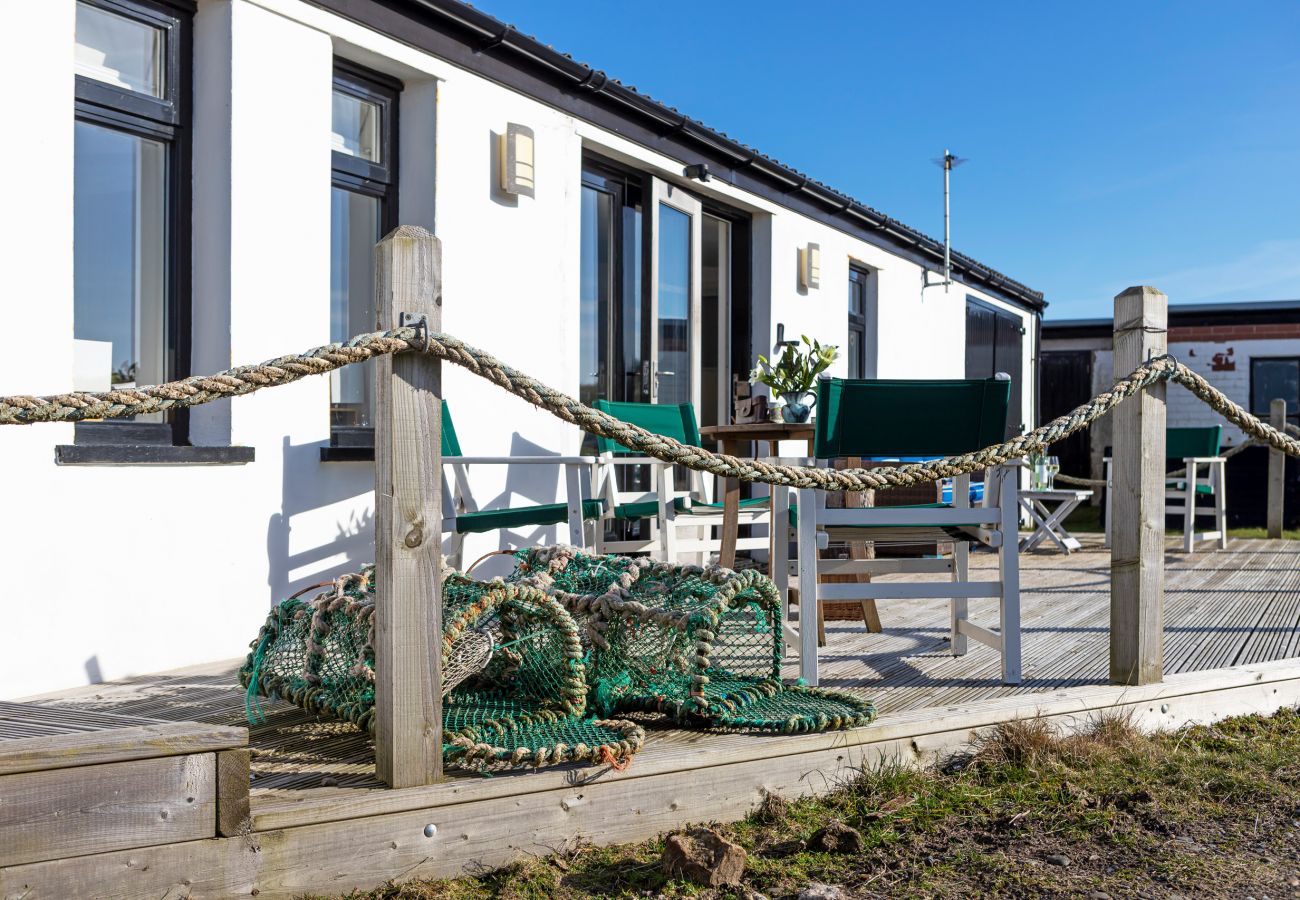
x=511 y=661
x=701 y=645
x=566 y=635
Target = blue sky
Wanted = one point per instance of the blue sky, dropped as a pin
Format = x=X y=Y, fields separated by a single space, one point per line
x=1109 y=143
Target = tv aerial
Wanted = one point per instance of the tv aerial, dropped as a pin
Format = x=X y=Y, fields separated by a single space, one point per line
x=948 y=162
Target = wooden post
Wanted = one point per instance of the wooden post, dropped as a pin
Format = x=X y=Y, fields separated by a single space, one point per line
x=408 y=518
x=1276 y=471
x=1137 y=574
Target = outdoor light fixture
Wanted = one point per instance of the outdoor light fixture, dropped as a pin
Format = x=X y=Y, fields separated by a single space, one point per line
x=699 y=172
x=517 y=160
x=810 y=266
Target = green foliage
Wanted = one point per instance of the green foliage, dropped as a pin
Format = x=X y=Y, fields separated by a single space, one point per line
x=797 y=369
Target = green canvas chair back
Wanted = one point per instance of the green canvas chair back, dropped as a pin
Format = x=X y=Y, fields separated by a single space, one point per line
x=450 y=443
x=1182 y=443
x=882 y=417
x=674 y=420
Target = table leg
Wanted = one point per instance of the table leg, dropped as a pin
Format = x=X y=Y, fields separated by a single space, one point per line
x=1032 y=507
x=1062 y=537
x=730 y=512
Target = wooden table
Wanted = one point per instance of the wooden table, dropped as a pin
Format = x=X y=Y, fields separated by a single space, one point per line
x=732 y=441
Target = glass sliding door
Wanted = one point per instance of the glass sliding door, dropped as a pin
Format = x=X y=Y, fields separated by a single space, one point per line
x=675 y=255
x=715 y=321
x=611 y=306
x=595 y=293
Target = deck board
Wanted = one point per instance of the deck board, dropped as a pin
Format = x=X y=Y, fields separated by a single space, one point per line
x=1222 y=608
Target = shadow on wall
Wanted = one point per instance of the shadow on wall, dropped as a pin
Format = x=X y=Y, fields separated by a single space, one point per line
x=524 y=486
x=308 y=485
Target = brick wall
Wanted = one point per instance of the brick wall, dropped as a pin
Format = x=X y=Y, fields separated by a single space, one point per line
x=1228 y=333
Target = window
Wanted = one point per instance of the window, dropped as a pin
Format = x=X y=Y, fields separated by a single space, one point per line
x=1273 y=378
x=611 y=354
x=363 y=208
x=857 y=346
x=130 y=207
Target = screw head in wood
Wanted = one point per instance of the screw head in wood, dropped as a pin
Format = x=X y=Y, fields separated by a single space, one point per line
x=430 y=830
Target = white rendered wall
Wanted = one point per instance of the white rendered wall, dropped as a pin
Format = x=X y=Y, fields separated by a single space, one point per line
x=147 y=568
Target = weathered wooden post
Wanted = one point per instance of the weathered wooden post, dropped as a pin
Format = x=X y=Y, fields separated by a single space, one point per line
x=1137 y=572
x=408 y=517
x=1276 y=471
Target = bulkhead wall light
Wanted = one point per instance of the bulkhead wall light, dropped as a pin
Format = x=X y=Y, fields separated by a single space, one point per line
x=810 y=267
x=517 y=172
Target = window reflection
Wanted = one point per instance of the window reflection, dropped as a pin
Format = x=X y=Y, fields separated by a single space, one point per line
x=356 y=127
x=354 y=231
x=674 y=374
x=120 y=51
x=594 y=290
x=119 y=256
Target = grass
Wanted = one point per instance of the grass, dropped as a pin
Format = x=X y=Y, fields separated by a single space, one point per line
x=1203 y=812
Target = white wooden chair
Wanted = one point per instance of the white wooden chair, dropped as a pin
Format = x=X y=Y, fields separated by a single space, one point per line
x=680 y=520
x=1196 y=494
x=461 y=513
x=872 y=418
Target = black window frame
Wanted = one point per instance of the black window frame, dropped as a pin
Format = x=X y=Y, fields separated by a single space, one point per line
x=1293 y=403
x=355 y=443
x=627 y=189
x=168 y=120
x=858 y=321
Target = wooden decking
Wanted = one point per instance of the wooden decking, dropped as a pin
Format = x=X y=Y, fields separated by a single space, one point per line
x=1222 y=609
x=1232 y=618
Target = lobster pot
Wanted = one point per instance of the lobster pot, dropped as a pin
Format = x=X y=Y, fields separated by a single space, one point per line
x=513 y=677
x=701 y=645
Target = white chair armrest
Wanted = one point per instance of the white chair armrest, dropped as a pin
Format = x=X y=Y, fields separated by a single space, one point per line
x=520 y=460
x=633 y=461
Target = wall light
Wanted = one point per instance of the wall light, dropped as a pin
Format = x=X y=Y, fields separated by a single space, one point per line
x=810 y=266
x=517 y=160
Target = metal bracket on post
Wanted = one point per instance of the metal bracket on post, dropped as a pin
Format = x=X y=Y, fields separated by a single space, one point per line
x=418 y=321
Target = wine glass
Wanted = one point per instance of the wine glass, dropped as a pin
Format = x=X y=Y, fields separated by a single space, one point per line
x=1051 y=465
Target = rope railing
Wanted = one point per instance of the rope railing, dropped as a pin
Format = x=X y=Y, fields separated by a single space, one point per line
x=1175 y=473
x=197 y=390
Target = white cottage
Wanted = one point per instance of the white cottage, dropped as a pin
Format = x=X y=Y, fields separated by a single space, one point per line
x=199 y=184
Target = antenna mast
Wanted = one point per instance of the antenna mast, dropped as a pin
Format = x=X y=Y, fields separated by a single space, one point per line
x=949 y=162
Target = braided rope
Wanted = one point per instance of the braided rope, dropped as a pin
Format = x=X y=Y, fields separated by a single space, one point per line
x=196 y=390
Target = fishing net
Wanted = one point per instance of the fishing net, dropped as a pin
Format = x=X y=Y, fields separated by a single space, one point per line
x=536 y=665
x=514 y=680
x=703 y=646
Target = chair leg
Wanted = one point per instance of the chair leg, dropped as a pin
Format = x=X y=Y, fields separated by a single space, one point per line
x=959 y=606
x=779 y=552
x=871 y=617
x=1009 y=573
x=1189 y=510
x=456 y=558
x=1221 y=503
x=808 y=587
